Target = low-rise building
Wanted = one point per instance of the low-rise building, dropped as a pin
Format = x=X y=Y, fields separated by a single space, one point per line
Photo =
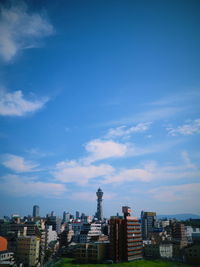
x=7 y=259
x=92 y=252
x=192 y=254
x=192 y=233
x=3 y=243
x=164 y=250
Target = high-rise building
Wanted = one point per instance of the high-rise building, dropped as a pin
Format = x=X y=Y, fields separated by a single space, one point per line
x=55 y=221
x=36 y=211
x=99 y=213
x=148 y=220
x=66 y=217
x=125 y=237
x=28 y=250
x=77 y=215
x=179 y=234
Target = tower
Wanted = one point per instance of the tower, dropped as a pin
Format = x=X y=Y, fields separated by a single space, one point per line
x=36 y=211
x=99 y=213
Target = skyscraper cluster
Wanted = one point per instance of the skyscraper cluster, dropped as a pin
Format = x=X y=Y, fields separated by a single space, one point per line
x=33 y=240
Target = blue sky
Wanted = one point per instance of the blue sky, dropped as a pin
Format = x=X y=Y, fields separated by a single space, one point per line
x=99 y=93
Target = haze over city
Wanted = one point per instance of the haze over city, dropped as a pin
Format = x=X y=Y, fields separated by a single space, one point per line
x=99 y=94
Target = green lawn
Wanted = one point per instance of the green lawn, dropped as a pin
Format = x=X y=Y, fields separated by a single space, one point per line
x=142 y=263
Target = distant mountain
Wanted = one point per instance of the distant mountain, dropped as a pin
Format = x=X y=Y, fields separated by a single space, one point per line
x=179 y=217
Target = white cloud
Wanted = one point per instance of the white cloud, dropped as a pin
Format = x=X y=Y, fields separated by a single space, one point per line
x=72 y=171
x=151 y=171
x=184 y=192
x=100 y=149
x=18 y=164
x=19 y=29
x=190 y=128
x=14 y=104
x=18 y=186
x=130 y=175
x=124 y=131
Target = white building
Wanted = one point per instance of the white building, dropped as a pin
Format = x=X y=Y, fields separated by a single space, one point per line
x=51 y=235
x=7 y=258
x=166 y=250
x=191 y=233
x=89 y=231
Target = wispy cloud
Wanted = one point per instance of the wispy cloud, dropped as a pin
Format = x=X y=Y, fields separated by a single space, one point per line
x=177 y=98
x=152 y=171
x=149 y=115
x=90 y=196
x=36 y=152
x=193 y=127
x=18 y=164
x=184 y=192
x=187 y=160
x=125 y=131
x=18 y=186
x=15 y=104
x=20 y=29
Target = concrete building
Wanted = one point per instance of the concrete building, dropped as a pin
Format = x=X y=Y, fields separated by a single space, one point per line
x=90 y=232
x=87 y=219
x=192 y=254
x=77 y=215
x=148 y=220
x=7 y=259
x=163 y=250
x=55 y=221
x=36 y=211
x=77 y=226
x=192 y=233
x=50 y=235
x=99 y=213
x=28 y=250
x=125 y=237
x=66 y=237
x=66 y=217
x=179 y=234
x=92 y=252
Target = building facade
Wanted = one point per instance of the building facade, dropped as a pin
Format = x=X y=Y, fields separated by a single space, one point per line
x=148 y=220
x=125 y=238
x=92 y=252
x=36 y=211
x=28 y=250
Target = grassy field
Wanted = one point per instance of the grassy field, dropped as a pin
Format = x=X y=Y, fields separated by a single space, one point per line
x=142 y=263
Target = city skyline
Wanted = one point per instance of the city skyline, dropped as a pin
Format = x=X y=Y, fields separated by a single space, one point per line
x=99 y=94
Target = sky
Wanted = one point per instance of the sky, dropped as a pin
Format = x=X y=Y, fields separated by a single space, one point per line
x=99 y=94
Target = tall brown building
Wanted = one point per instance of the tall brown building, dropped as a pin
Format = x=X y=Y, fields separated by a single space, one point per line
x=179 y=234
x=125 y=237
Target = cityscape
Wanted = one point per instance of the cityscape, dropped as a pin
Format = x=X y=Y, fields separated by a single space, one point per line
x=35 y=240
x=99 y=133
